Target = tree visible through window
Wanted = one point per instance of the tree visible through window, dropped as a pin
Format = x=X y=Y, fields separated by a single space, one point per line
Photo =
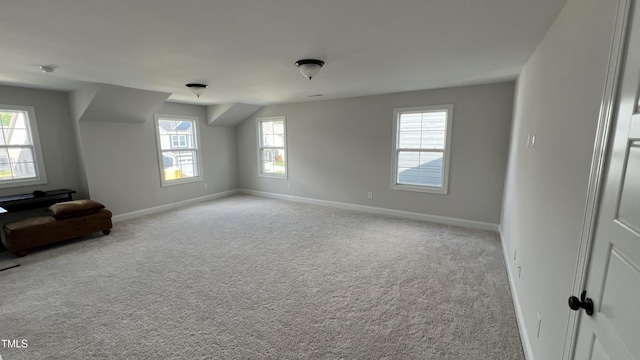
x=272 y=146
x=178 y=149
x=421 y=148
x=20 y=155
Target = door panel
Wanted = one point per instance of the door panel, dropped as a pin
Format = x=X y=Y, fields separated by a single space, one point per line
x=619 y=301
x=603 y=345
x=598 y=351
x=613 y=274
x=634 y=132
x=629 y=210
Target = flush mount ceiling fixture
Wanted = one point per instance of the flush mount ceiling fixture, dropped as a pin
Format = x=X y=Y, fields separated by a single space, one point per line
x=309 y=67
x=196 y=89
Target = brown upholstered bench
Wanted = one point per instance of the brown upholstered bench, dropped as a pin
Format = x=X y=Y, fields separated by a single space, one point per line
x=68 y=220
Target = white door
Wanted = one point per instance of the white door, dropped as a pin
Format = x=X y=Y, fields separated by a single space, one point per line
x=613 y=279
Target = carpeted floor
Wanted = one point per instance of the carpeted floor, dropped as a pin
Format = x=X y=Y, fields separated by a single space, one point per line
x=253 y=278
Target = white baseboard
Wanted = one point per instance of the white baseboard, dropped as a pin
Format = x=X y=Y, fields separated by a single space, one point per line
x=157 y=209
x=524 y=336
x=377 y=210
x=341 y=205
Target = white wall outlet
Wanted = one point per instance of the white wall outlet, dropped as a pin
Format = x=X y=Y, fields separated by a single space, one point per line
x=370 y=195
x=528 y=140
x=206 y=186
x=519 y=266
x=289 y=186
x=533 y=140
x=539 y=323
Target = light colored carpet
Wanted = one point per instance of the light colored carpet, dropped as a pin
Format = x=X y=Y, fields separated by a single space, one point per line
x=253 y=278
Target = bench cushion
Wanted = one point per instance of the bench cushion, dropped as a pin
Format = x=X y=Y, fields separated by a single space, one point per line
x=74 y=208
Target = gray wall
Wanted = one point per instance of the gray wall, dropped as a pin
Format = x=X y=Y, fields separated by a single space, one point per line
x=341 y=149
x=558 y=98
x=117 y=163
x=56 y=137
x=122 y=167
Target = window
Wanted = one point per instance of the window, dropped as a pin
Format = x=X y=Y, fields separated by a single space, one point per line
x=21 y=161
x=421 y=146
x=178 y=141
x=178 y=149
x=272 y=145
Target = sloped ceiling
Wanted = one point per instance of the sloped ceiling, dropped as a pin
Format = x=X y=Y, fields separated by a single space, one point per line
x=230 y=114
x=112 y=103
x=245 y=50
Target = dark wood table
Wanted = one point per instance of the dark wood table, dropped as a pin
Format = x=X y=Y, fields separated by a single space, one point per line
x=34 y=200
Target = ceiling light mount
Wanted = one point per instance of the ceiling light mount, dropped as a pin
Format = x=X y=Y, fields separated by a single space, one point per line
x=309 y=67
x=48 y=68
x=196 y=89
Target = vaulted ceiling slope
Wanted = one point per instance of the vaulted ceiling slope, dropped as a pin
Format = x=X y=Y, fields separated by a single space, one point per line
x=245 y=50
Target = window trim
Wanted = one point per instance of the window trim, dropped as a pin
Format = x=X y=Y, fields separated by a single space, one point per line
x=259 y=121
x=195 y=147
x=442 y=190
x=41 y=175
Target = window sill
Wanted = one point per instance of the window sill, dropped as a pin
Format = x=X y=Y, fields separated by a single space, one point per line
x=181 y=181
x=418 y=188
x=22 y=183
x=273 y=176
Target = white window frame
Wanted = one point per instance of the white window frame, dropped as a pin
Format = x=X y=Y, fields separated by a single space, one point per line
x=443 y=189
x=259 y=121
x=32 y=123
x=194 y=147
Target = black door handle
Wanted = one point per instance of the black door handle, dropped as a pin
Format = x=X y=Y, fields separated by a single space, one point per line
x=583 y=303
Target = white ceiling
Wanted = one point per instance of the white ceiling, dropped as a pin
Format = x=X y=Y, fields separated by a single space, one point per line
x=246 y=49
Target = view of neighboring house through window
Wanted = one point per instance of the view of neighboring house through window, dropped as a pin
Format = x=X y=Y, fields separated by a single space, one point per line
x=178 y=149
x=272 y=146
x=178 y=141
x=21 y=161
x=421 y=148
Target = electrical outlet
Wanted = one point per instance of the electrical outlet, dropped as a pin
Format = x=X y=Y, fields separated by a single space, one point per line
x=528 y=140
x=206 y=186
x=289 y=186
x=519 y=266
x=533 y=140
x=370 y=195
x=539 y=323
